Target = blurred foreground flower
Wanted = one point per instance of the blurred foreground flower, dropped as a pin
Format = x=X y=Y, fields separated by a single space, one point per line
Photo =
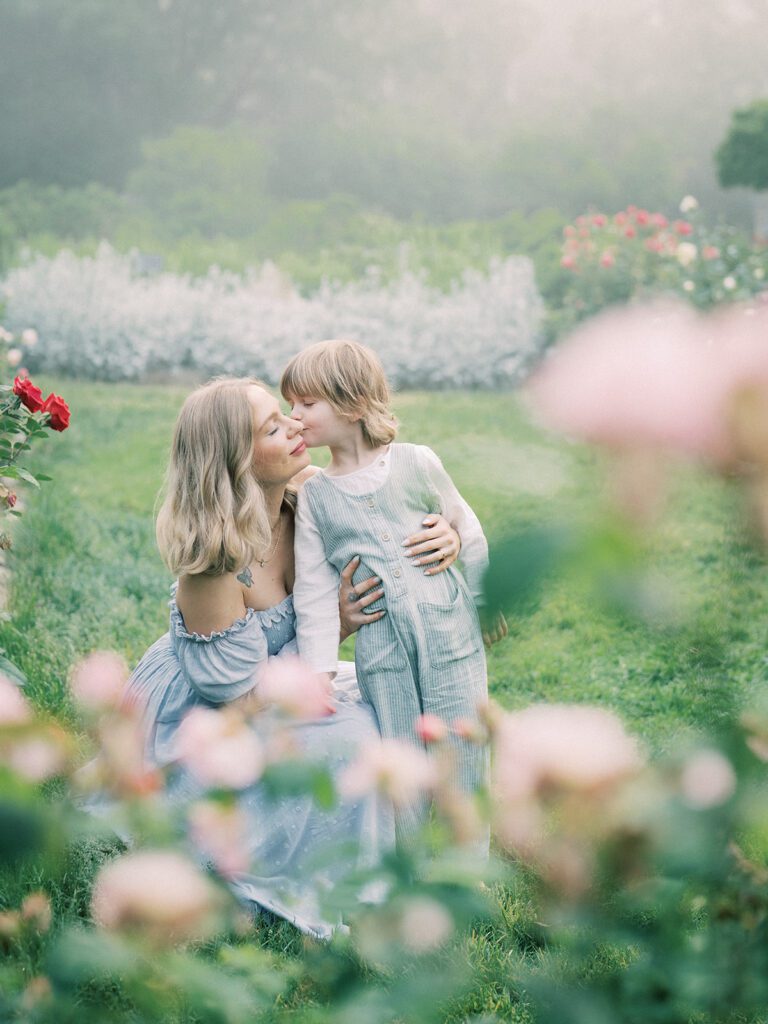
x=98 y=680
x=14 y=709
x=159 y=894
x=220 y=748
x=292 y=687
x=220 y=833
x=546 y=754
x=663 y=380
x=396 y=768
x=707 y=779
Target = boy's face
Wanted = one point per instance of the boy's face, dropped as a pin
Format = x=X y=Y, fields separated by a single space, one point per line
x=322 y=424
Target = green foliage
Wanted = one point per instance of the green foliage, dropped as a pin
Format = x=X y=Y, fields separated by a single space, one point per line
x=611 y=260
x=742 y=157
x=202 y=180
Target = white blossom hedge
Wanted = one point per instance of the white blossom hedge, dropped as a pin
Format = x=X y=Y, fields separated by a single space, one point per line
x=101 y=318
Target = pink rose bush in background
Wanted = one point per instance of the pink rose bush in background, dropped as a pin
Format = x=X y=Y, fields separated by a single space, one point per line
x=638 y=254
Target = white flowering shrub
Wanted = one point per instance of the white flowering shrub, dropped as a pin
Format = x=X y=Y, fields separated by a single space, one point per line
x=100 y=318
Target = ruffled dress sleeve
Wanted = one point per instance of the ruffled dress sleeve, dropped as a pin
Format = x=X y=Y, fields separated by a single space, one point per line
x=220 y=666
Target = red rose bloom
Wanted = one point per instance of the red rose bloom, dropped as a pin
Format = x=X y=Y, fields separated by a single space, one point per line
x=58 y=410
x=30 y=395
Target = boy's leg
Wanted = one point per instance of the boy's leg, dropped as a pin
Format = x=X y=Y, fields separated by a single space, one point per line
x=387 y=679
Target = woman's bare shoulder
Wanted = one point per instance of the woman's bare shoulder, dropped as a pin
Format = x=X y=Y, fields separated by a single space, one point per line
x=210 y=604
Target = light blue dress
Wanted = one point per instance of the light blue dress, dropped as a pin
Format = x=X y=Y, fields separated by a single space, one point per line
x=297 y=850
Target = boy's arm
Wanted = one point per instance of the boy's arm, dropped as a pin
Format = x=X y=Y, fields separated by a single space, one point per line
x=315 y=596
x=474 y=547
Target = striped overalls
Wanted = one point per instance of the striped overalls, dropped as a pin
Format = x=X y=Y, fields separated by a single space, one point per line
x=426 y=654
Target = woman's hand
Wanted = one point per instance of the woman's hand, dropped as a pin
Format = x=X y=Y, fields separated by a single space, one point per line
x=353 y=600
x=438 y=545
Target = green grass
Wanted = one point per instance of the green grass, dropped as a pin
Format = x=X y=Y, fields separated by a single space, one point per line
x=86 y=575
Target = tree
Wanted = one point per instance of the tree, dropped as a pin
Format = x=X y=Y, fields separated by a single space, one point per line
x=742 y=158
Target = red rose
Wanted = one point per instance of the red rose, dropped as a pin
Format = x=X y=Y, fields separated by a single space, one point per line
x=30 y=395
x=58 y=410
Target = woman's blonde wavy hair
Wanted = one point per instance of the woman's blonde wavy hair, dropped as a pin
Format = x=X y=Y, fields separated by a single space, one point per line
x=351 y=379
x=213 y=518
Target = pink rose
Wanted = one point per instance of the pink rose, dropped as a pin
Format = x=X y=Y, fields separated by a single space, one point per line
x=158 y=893
x=219 y=748
x=431 y=728
x=292 y=687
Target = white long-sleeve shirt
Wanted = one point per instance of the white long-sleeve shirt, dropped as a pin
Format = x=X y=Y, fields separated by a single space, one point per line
x=316 y=588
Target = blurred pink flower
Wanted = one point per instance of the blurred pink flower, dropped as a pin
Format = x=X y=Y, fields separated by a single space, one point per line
x=29 y=337
x=36 y=758
x=120 y=766
x=682 y=227
x=569 y=231
x=14 y=356
x=424 y=925
x=707 y=779
x=158 y=893
x=291 y=686
x=599 y=220
x=470 y=730
x=659 y=220
x=654 y=244
x=36 y=911
x=396 y=768
x=431 y=728
x=14 y=709
x=607 y=259
x=220 y=832
x=639 y=377
x=710 y=252
x=629 y=231
x=98 y=680
x=220 y=748
x=568 y=262
x=571 y=747
x=642 y=217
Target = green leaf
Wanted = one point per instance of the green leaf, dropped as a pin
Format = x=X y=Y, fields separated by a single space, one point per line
x=26 y=475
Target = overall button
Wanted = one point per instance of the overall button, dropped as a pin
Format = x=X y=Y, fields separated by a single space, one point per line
x=385 y=536
x=397 y=574
x=370 y=503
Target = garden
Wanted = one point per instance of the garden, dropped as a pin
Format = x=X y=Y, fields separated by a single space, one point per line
x=587 y=352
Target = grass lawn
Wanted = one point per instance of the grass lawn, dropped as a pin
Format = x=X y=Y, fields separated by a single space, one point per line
x=86 y=575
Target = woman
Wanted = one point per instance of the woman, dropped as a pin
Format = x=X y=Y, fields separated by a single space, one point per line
x=226 y=530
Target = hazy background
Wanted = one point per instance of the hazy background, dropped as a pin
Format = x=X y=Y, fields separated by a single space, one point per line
x=432 y=108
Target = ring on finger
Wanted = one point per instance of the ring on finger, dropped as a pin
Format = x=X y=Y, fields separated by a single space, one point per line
x=352 y=596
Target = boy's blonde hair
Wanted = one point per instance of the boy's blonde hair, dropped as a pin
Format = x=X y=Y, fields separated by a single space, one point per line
x=213 y=518
x=351 y=379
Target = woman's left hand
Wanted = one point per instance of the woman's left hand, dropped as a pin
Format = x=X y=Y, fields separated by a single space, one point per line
x=437 y=546
x=355 y=598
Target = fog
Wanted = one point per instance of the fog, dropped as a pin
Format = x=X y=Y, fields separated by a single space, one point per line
x=433 y=108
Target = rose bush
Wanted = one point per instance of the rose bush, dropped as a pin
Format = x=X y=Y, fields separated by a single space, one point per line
x=637 y=253
x=98 y=318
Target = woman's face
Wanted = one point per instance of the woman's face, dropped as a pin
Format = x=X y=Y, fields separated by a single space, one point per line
x=278 y=449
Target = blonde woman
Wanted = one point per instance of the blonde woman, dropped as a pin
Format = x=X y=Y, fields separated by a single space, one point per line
x=226 y=530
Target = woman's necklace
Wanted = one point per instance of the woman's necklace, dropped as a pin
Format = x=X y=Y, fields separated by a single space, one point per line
x=246 y=576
